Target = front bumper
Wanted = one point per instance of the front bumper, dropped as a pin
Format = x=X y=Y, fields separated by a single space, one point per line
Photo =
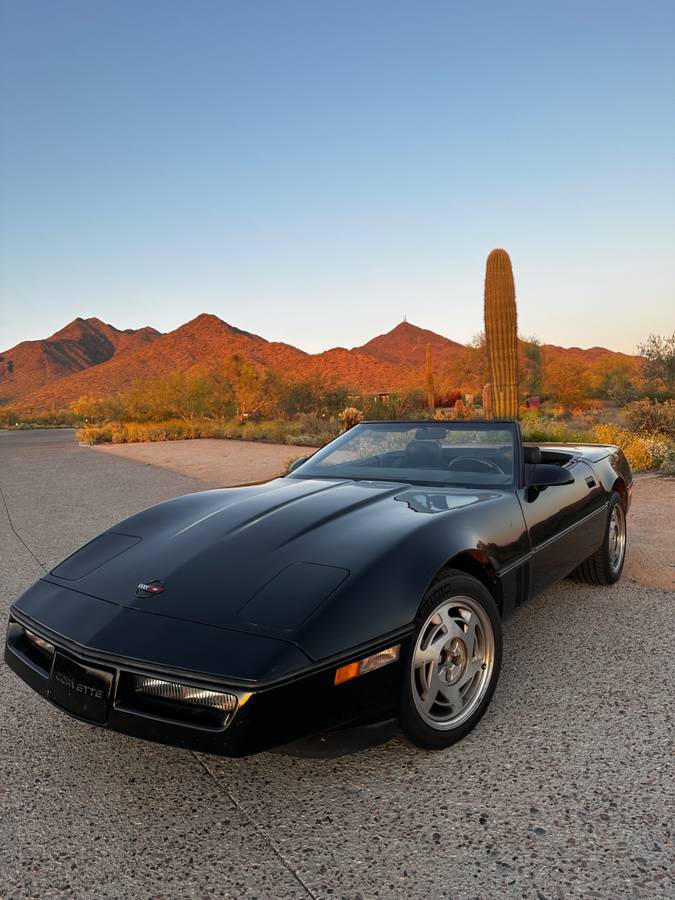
x=266 y=715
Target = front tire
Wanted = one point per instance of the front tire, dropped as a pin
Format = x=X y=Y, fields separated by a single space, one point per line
x=454 y=662
x=606 y=564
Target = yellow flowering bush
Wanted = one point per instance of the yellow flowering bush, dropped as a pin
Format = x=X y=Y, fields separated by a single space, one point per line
x=644 y=450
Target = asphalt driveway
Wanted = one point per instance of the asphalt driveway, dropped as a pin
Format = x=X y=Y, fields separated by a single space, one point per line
x=565 y=789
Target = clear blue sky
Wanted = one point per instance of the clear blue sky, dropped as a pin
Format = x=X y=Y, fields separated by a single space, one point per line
x=311 y=171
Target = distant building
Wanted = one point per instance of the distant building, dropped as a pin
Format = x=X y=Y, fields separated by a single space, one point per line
x=382 y=397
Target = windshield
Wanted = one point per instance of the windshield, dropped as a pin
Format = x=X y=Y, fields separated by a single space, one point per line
x=465 y=454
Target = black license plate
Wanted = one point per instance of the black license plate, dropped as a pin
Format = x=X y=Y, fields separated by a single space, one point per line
x=80 y=689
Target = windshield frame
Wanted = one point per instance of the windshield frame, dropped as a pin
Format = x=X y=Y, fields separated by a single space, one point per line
x=461 y=424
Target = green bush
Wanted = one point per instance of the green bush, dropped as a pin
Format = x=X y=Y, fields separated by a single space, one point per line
x=652 y=416
x=668 y=462
x=538 y=428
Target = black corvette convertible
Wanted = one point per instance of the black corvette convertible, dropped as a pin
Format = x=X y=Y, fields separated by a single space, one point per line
x=369 y=583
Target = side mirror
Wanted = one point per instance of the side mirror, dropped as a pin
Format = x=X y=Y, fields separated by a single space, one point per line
x=297 y=463
x=544 y=475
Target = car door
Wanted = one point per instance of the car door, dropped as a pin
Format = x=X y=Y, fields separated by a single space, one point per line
x=565 y=523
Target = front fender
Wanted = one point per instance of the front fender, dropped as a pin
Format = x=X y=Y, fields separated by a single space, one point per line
x=383 y=597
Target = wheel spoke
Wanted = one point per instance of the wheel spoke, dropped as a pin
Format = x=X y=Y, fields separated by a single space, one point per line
x=469 y=636
x=433 y=686
x=425 y=655
x=452 y=695
x=453 y=628
x=473 y=666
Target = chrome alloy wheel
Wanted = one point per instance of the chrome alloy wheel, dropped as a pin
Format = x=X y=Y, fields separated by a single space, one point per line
x=617 y=538
x=452 y=662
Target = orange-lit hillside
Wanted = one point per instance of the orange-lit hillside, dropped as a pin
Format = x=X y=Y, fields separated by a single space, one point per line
x=90 y=358
x=78 y=346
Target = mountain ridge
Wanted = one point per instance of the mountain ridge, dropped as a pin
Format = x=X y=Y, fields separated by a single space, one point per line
x=76 y=347
x=88 y=357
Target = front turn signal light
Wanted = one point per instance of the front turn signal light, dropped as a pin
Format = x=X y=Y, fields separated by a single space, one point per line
x=367 y=664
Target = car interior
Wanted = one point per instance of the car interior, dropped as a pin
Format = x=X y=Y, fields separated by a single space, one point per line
x=431 y=454
x=455 y=457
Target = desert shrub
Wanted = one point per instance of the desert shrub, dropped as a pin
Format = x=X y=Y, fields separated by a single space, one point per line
x=643 y=450
x=276 y=430
x=95 y=434
x=538 y=428
x=313 y=422
x=136 y=432
x=350 y=416
x=8 y=417
x=668 y=462
x=14 y=418
x=318 y=396
x=306 y=440
x=652 y=416
x=318 y=439
x=615 y=381
x=405 y=405
x=659 y=353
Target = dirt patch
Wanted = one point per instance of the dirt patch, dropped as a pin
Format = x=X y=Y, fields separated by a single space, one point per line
x=220 y=463
x=650 y=556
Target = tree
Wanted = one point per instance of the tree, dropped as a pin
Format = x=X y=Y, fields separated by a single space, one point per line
x=659 y=353
x=91 y=409
x=397 y=406
x=300 y=397
x=247 y=386
x=254 y=393
x=185 y=395
x=317 y=395
x=565 y=383
x=465 y=370
x=615 y=382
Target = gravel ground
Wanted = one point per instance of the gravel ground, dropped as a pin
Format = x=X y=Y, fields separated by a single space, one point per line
x=652 y=533
x=565 y=789
x=215 y=462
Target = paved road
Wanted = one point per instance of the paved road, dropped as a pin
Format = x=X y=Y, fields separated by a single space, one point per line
x=564 y=790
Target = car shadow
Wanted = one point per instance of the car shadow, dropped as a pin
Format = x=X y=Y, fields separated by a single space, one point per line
x=343 y=742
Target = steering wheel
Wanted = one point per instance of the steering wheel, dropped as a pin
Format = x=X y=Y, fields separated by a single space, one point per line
x=488 y=465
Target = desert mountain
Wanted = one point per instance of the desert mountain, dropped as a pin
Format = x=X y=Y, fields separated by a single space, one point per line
x=89 y=358
x=81 y=344
x=406 y=345
x=585 y=356
x=205 y=341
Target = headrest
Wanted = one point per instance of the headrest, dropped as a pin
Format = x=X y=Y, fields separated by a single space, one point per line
x=423 y=454
x=532 y=455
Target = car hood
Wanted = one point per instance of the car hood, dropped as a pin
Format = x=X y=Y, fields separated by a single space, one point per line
x=260 y=558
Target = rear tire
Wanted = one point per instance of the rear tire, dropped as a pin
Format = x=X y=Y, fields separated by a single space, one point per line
x=606 y=564
x=454 y=662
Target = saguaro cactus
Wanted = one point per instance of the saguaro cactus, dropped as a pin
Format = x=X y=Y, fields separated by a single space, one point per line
x=431 y=395
x=501 y=335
